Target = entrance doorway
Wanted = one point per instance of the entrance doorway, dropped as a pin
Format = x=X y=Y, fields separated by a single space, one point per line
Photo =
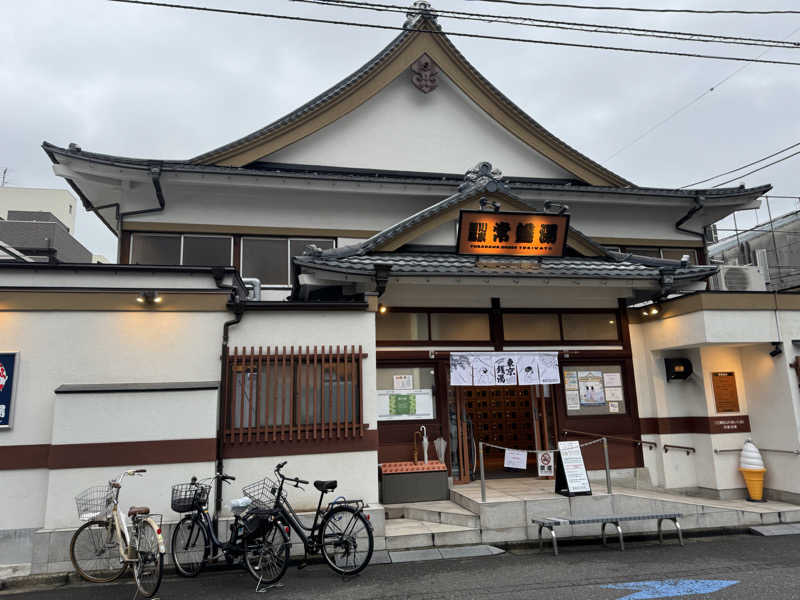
x=520 y=417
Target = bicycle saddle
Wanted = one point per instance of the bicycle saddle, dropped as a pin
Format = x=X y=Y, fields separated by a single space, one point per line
x=138 y=510
x=326 y=486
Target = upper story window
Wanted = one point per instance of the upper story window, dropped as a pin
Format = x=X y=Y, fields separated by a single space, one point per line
x=269 y=259
x=178 y=249
x=668 y=253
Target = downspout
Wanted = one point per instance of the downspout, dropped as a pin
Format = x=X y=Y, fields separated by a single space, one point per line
x=155 y=177
x=237 y=306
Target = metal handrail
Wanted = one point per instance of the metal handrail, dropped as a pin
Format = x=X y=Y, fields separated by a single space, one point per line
x=689 y=450
x=650 y=445
x=724 y=450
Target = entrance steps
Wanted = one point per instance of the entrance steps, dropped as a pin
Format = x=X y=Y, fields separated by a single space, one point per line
x=430 y=524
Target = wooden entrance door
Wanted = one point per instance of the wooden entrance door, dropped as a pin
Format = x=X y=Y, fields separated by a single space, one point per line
x=509 y=416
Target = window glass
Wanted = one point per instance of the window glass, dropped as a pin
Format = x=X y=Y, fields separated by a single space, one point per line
x=594 y=390
x=531 y=326
x=266 y=259
x=207 y=251
x=590 y=326
x=406 y=393
x=296 y=246
x=151 y=249
x=652 y=252
x=459 y=326
x=677 y=254
x=401 y=326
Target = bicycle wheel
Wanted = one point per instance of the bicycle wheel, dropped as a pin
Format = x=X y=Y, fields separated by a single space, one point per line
x=149 y=565
x=189 y=548
x=94 y=552
x=347 y=541
x=267 y=558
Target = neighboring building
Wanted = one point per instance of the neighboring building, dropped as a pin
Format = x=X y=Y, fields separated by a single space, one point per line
x=772 y=247
x=41 y=236
x=384 y=271
x=59 y=203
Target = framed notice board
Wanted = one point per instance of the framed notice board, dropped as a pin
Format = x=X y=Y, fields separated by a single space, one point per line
x=725 y=395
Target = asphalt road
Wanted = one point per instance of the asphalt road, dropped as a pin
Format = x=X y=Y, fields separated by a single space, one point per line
x=747 y=567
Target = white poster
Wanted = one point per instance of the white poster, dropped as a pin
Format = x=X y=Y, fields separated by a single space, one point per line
x=548 y=368
x=505 y=369
x=403 y=382
x=404 y=405
x=574 y=469
x=591 y=388
x=516 y=459
x=528 y=369
x=460 y=369
x=483 y=369
x=544 y=462
x=614 y=394
x=570 y=380
x=573 y=400
x=612 y=379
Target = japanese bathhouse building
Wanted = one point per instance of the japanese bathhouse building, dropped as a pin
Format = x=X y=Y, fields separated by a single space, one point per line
x=504 y=307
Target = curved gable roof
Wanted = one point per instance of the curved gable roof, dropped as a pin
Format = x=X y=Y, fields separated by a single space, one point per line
x=422 y=36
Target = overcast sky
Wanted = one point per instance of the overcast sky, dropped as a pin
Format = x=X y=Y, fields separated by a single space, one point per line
x=165 y=83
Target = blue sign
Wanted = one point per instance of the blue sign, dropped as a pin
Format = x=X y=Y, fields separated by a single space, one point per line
x=8 y=368
x=671 y=588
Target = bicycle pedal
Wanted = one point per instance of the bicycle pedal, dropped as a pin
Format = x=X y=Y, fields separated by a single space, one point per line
x=302 y=566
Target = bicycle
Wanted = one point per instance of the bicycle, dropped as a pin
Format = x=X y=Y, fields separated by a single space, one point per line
x=102 y=548
x=342 y=533
x=194 y=539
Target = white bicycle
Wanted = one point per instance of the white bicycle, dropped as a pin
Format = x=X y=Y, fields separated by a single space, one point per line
x=102 y=548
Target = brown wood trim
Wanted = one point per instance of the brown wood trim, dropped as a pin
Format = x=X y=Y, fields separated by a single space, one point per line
x=107 y=454
x=125 y=248
x=246 y=230
x=32 y=456
x=704 y=425
x=366 y=442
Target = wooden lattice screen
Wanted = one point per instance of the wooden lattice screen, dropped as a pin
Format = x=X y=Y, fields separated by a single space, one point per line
x=284 y=395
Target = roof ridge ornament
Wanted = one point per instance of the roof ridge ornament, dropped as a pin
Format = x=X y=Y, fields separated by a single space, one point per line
x=420 y=8
x=485 y=177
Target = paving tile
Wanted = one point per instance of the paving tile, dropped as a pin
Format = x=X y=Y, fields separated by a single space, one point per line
x=468 y=551
x=782 y=529
x=380 y=557
x=415 y=555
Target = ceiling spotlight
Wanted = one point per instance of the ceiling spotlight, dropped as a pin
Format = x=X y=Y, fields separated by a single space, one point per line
x=777 y=349
x=149 y=297
x=654 y=310
x=645 y=313
x=382 y=308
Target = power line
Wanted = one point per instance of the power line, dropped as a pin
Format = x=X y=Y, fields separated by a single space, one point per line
x=692 y=102
x=563 y=25
x=453 y=33
x=755 y=162
x=650 y=10
x=780 y=160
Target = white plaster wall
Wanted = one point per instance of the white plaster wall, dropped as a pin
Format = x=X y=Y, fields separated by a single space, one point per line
x=401 y=128
x=22 y=498
x=711 y=327
x=356 y=473
x=153 y=489
x=124 y=417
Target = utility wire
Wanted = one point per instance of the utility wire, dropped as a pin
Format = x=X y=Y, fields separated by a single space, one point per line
x=564 y=25
x=780 y=160
x=755 y=162
x=650 y=10
x=453 y=33
x=692 y=102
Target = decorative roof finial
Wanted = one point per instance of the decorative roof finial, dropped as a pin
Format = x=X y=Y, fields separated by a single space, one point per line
x=485 y=177
x=420 y=8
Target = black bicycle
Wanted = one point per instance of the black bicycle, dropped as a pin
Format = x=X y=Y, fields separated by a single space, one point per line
x=194 y=540
x=342 y=532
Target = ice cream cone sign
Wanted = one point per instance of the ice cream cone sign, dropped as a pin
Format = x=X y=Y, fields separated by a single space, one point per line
x=751 y=466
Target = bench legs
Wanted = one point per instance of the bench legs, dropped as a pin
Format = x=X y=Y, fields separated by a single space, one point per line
x=619 y=533
x=677 y=528
x=552 y=535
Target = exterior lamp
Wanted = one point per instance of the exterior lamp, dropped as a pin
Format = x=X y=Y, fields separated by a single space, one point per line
x=382 y=309
x=654 y=310
x=149 y=297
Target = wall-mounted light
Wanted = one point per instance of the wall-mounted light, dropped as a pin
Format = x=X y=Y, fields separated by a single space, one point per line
x=382 y=309
x=149 y=297
x=654 y=310
x=777 y=349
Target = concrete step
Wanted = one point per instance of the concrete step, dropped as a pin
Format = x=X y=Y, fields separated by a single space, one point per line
x=402 y=534
x=443 y=511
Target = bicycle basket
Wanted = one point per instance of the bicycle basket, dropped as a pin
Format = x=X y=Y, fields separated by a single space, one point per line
x=262 y=493
x=187 y=497
x=95 y=502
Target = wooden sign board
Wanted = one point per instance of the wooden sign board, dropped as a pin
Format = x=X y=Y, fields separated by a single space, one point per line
x=725 y=396
x=512 y=233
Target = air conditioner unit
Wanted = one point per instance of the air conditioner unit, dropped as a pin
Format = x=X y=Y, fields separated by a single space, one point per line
x=733 y=278
x=253 y=286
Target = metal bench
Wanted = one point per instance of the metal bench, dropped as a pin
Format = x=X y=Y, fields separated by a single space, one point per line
x=550 y=523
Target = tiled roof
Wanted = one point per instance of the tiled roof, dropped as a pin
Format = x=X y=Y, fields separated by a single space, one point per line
x=459 y=265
